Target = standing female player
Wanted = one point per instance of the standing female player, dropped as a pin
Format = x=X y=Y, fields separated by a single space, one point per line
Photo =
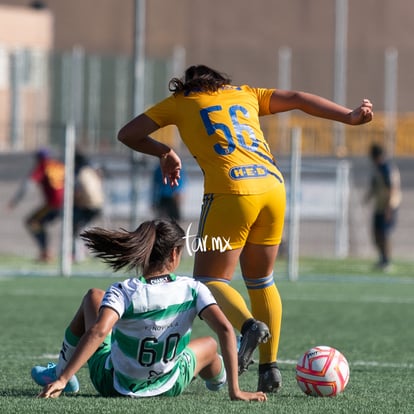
x=244 y=194
x=136 y=335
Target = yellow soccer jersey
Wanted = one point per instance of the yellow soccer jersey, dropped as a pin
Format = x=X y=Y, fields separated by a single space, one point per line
x=222 y=132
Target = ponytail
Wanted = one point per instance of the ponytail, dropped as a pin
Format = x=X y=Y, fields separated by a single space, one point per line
x=147 y=248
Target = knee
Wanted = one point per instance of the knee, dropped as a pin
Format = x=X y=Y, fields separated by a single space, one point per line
x=33 y=226
x=211 y=344
x=94 y=295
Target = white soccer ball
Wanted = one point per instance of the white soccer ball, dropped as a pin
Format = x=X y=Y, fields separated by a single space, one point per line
x=322 y=371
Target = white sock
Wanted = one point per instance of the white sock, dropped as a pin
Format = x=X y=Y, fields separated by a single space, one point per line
x=64 y=356
x=221 y=377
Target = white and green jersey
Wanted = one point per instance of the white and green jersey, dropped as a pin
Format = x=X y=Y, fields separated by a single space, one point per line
x=154 y=328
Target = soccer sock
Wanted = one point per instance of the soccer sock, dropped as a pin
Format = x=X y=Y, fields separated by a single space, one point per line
x=221 y=377
x=266 y=307
x=69 y=344
x=230 y=301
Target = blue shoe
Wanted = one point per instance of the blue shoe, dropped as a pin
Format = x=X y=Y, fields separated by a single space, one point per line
x=215 y=386
x=45 y=375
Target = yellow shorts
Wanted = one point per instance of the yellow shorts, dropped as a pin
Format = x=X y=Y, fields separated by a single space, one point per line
x=231 y=220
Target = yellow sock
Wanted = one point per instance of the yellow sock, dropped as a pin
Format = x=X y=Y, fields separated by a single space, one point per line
x=266 y=307
x=231 y=303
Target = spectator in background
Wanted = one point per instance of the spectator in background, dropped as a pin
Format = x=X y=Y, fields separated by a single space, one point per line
x=385 y=191
x=88 y=197
x=48 y=173
x=167 y=200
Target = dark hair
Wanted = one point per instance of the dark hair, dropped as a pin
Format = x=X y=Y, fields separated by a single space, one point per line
x=199 y=78
x=80 y=161
x=42 y=153
x=376 y=151
x=148 y=248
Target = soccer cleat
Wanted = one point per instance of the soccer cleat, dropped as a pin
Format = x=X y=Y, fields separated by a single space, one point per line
x=45 y=375
x=270 y=380
x=256 y=334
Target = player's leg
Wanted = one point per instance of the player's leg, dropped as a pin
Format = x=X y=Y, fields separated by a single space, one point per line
x=81 y=217
x=215 y=269
x=34 y=225
x=381 y=240
x=87 y=313
x=225 y=222
x=84 y=318
x=209 y=364
x=253 y=331
x=223 y=229
x=389 y=227
x=257 y=263
x=266 y=305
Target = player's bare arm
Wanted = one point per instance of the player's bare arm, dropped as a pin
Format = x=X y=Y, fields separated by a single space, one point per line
x=318 y=106
x=220 y=324
x=135 y=135
x=88 y=344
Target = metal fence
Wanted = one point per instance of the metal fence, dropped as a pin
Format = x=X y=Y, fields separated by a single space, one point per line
x=40 y=92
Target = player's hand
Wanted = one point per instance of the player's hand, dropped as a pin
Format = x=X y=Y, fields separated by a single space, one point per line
x=171 y=167
x=249 y=396
x=362 y=114
x=52 y=390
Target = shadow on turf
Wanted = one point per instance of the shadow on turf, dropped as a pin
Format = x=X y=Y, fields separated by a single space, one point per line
x=34 y=393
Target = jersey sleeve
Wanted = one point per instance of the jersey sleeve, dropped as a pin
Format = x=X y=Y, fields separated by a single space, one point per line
x=37 y=174
x=263 y=98
x=205 y=298
x=116 y=298
x=163 y=113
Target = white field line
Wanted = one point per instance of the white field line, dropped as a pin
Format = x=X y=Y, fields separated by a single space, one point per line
x=375 y=364
x=297 y=298
x=349 y=299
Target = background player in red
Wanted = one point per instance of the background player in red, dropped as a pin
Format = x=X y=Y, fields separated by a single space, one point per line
x=49 y=174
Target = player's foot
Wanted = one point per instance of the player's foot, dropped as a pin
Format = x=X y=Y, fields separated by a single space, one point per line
x=270 y=379
x=45 y=375
x=215 y=386
x=219 y=381
x=256 y=334
x=384 y=266
x=44 y=257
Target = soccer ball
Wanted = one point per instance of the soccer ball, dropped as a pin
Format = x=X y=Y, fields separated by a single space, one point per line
x=322 y=371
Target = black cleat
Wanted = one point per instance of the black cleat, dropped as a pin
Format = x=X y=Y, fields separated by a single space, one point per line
x=256 y=334
x=270 y=380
